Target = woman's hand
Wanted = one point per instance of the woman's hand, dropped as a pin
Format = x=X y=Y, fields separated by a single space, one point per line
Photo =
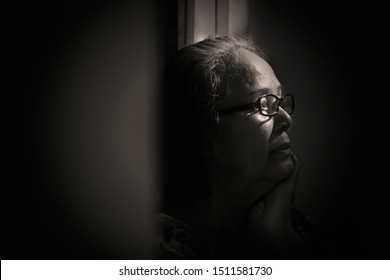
x=270 y=220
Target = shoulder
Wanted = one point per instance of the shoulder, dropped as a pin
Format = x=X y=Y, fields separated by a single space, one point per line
x=174 y=239
x=313 y=235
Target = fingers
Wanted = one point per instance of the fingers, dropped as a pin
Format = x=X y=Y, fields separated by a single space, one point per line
x=269 y=219
x=271 y=214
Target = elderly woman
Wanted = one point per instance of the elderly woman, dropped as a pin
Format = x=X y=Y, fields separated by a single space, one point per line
x=229 y=174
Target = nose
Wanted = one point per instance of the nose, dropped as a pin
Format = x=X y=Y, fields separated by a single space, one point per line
x=282 y=120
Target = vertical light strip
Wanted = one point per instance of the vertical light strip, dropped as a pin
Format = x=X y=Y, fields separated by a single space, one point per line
x=222 y=18
x=204 y=19
x=216 y=18
x=190 y=22
x=181 y=23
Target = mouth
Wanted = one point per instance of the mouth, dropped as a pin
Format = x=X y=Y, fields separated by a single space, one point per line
x=282 y=149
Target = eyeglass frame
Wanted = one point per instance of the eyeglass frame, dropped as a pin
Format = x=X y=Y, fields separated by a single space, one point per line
x=257 y=104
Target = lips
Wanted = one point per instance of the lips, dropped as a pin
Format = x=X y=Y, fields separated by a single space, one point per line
x=281 y=147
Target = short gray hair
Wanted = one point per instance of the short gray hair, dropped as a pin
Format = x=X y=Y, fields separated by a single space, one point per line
x=195 y=82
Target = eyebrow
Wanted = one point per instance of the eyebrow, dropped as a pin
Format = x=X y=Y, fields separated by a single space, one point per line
x=263 y=91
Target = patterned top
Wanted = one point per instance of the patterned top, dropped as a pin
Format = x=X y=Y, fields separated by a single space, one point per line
x=175 y=240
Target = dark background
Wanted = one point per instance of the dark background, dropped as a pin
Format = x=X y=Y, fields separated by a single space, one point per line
x=342 y=54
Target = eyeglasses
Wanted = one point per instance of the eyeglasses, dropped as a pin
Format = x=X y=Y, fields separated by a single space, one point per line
x=268 y=105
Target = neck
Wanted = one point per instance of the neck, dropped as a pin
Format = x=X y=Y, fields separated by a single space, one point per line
x=220 y=221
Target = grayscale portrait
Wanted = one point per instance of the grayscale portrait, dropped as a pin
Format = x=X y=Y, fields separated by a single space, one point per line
x=195 y=129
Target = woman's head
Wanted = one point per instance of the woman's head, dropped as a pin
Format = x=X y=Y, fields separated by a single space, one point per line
x=204 y=147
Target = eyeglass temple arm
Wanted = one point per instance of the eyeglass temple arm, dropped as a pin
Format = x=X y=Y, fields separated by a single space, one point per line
x=239 y=108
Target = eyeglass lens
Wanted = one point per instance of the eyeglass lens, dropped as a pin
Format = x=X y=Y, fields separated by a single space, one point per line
x=269 y=104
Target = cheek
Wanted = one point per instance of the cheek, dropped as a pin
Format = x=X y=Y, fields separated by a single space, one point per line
x=256 y=153
x=242 y=148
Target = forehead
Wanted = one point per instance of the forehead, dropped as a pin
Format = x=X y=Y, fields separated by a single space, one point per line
x=265 y=78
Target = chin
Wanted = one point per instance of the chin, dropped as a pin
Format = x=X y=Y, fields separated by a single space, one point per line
x=278 y=169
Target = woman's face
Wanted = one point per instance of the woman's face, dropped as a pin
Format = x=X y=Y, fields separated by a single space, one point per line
x=250 y=148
